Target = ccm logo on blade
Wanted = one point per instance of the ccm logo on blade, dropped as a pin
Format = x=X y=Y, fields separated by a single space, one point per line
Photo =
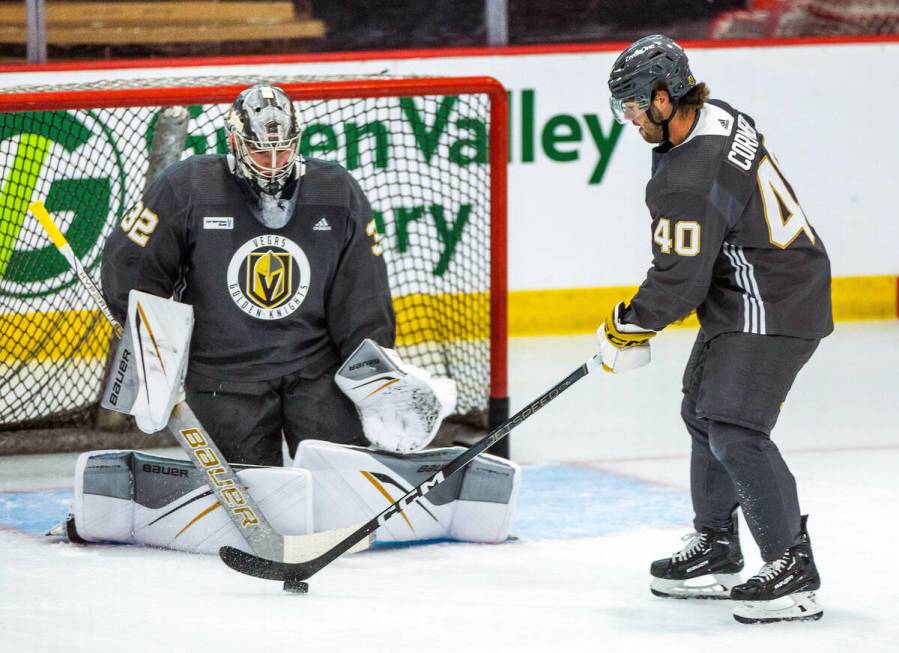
x=119 y=377
x=400 y=505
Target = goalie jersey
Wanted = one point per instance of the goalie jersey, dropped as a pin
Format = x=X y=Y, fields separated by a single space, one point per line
x=268 y=302
x=729 y=238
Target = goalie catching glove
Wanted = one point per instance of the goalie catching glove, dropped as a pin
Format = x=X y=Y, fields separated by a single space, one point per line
x=401 y=406
x=622 y=347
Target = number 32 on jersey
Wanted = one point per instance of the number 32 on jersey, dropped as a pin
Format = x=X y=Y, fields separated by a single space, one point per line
x=140 y=223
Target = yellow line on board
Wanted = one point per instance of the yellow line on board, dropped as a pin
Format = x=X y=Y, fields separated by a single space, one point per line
x=54 y=336
x=580 y=310
x=431 y=318
x=864 y=298
x=436 y=318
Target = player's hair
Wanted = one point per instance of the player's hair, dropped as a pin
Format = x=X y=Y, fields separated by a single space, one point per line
x=694 y=99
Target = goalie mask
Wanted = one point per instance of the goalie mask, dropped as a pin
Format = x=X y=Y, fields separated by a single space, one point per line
x=263 y=136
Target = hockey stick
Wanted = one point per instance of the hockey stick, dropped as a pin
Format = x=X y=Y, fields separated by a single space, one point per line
x=293 y=574
x=202 y=451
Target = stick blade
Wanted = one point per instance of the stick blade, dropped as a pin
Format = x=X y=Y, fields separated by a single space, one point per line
x=247 y=563
x=303 y=548
x=304 y=555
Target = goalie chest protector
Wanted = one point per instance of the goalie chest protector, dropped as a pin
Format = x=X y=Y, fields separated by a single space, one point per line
x=267 y=302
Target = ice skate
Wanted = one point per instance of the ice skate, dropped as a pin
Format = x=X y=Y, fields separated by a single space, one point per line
x=783 y=590
x=706 y=568
x=66 y=529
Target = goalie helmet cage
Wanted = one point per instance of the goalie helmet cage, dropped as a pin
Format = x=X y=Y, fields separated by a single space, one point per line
x=430 y=154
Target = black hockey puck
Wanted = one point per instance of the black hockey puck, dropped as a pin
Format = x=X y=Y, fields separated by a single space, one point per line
x=296 y=586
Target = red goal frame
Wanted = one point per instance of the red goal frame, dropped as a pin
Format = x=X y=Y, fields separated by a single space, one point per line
x=24 y=99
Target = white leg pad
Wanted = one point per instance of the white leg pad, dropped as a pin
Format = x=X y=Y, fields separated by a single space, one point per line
x=353 y=484
x=136 y=498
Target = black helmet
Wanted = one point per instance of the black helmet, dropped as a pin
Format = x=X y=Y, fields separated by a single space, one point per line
x=645 y=65
x=264 y=120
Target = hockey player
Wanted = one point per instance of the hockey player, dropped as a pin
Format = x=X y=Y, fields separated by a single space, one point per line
x=731 y=241
x=276 y=261
x=280 y=259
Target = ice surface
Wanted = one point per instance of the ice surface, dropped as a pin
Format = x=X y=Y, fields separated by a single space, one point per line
x=577 y=580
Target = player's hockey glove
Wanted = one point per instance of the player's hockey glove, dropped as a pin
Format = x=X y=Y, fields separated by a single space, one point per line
x=401 y=406
x=622 y=347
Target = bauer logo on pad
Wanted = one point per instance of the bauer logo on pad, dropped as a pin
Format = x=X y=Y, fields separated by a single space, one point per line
x=218 y=222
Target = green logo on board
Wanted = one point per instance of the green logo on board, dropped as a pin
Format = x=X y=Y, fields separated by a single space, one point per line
x=71 y=162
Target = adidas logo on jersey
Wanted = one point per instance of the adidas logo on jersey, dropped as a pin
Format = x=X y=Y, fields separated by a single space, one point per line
x=724 y=123
x=322 y=225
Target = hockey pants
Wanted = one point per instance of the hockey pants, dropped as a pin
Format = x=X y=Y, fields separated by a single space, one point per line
x=734 y=386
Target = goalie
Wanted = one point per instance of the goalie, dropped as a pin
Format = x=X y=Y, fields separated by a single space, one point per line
x=279 y=257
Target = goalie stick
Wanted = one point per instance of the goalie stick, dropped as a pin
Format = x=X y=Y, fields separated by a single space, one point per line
x=293 y=574
x=202 y=451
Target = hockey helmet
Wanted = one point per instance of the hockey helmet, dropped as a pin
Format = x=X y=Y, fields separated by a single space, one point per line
x=643 y=67
x=263 y=136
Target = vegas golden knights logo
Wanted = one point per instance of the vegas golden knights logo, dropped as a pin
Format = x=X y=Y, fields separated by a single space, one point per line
x=268 y=277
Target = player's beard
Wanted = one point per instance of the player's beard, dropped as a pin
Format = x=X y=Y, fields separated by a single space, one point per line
x=651 y=132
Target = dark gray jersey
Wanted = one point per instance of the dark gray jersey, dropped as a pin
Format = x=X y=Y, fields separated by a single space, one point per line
x=729 y=238
x=267 y=302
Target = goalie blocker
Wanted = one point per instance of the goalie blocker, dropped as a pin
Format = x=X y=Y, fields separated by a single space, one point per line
x=150 y=363
x=136 y=498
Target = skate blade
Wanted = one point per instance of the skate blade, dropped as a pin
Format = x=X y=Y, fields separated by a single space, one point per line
x=57 y=531
x=66 y=529
x=710 y=586
x=801 y=606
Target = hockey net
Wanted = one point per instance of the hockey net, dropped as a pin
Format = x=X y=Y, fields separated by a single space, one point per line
x=430 y=153
x=774 y=19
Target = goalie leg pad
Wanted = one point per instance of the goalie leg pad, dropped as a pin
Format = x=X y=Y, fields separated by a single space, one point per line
x=136 y=498
x=352 y=484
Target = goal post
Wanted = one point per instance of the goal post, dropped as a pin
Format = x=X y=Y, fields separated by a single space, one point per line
x=429 y=152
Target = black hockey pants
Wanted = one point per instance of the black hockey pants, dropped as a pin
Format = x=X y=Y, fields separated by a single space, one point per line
x=734 y=386
x=246 y=419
